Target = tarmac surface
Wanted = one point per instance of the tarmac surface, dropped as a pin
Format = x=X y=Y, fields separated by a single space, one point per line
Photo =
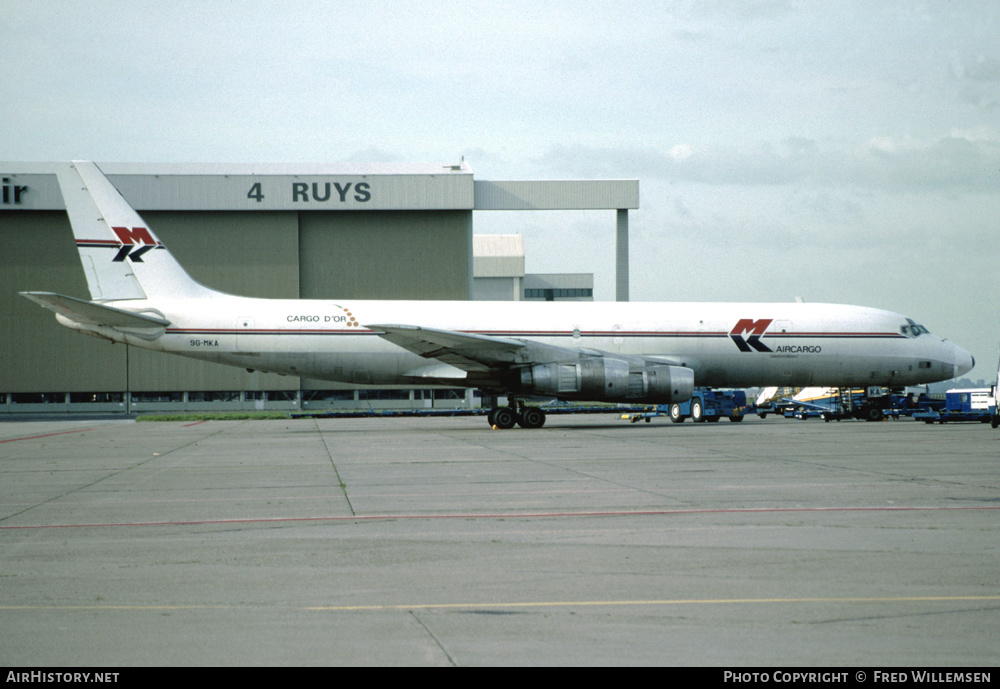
x=437 y=541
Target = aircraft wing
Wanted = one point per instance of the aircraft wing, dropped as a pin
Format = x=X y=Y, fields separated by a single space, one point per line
x=92 y=313
x=470 y=352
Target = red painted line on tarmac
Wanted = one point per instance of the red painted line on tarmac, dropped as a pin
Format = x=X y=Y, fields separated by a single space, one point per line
x=192 y=424
x=501 y=515
x=46 y=435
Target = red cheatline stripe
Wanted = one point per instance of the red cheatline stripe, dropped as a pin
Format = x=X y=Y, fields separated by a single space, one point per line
x=46 y=435
x=506 y=515
x=529 y=333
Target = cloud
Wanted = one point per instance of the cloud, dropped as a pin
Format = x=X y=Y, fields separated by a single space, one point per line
x=952 y=163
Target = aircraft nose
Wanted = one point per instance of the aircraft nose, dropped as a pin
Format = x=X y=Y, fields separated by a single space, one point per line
x=964 y=362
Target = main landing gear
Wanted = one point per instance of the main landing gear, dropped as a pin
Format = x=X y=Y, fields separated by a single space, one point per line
x=516 y=414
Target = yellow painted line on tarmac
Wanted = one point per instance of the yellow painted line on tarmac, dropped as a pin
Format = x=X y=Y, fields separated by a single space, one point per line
x=649 y=603
x=522 y=604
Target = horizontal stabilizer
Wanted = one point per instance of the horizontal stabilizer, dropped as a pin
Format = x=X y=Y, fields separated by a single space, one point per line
x=92 y=313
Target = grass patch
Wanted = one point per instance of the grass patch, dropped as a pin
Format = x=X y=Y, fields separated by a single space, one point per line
x=216 y=416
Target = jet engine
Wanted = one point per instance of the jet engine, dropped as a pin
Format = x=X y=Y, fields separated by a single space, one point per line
x=607 y=378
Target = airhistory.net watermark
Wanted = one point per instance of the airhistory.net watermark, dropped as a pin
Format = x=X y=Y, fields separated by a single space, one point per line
x=42 y=677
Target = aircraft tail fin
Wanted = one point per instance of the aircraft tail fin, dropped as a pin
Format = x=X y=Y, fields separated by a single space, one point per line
x=121 y=256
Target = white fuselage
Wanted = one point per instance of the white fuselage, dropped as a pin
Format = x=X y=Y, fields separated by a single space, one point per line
x=645 y=352
x=725 y=344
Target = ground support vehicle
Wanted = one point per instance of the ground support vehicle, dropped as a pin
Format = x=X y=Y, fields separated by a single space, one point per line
x=775 y=407
x=970 y=404
x=995 y=393
x=704 y=405
x=870 y=404
x=995 y=419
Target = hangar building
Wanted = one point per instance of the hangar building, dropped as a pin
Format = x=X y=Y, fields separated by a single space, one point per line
x=498 y=274
x=359 y=231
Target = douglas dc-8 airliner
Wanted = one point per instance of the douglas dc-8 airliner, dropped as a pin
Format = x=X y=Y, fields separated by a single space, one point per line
x=617 y=351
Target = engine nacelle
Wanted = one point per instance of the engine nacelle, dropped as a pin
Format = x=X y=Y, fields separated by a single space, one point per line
x=594 y=378
x=662 y=384
x=607 y=378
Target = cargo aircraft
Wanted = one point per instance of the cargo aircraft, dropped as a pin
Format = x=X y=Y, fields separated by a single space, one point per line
x=619 y=351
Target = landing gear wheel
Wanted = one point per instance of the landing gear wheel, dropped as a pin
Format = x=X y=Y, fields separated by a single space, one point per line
x=532 y=417
x=504 y=418
x=874 y=414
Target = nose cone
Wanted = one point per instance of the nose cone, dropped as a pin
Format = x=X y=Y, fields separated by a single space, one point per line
x=964 y=362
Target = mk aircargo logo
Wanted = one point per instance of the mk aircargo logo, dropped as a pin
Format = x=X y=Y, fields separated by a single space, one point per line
x=755 y=329
x=130 y=239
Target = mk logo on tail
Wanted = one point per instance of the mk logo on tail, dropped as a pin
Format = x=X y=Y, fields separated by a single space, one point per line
x=756 y=329
x=129 y=238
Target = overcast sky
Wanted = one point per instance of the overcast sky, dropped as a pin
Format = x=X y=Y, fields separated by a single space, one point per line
x=835 y=151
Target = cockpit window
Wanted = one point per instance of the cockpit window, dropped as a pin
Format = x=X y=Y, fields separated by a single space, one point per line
x=913 y=329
